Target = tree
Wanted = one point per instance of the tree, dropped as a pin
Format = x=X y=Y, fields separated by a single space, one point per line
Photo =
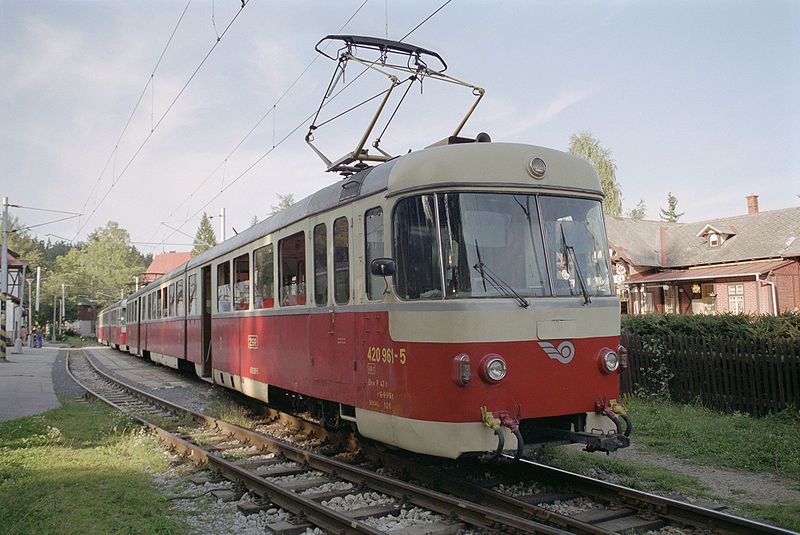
x=670 y=215
x=254 y=221
x=587 y=147
x=107 y=264
x=205 y=238
x=640 y=212
x=284 y=202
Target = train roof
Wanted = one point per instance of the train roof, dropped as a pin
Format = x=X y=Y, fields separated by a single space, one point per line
x=460 y=165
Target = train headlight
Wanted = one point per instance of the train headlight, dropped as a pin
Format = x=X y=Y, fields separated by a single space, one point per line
x=461 y=369
x=608 y=360
x=493 y=368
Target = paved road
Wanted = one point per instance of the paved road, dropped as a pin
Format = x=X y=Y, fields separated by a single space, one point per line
x=26 y=382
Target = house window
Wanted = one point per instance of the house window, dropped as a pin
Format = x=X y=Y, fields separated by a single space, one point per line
x=736 y=298
x=709 y=299
x=670 y=298
x=713 y=239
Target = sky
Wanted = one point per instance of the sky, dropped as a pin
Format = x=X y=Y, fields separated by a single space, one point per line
x=701 y=99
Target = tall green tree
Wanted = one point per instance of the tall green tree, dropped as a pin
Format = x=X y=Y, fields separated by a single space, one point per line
x=639 y=212
x=205 y=238
x=284 y=202
x=671 y=214
x=107 y=265
x=589 y=148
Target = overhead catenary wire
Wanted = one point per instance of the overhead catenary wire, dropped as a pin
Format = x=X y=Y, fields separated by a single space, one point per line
x=136 y=106
x=163 y=116
x=270 y=110
x=293 y=131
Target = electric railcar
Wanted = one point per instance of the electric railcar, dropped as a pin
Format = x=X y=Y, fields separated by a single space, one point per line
x=452 y=301
x=111 y=328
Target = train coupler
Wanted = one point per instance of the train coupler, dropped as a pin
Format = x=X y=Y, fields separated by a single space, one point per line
x=611 y=441
x=496 y=423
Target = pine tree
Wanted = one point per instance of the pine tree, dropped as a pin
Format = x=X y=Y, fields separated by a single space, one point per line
x=670 y=215
x=640 y=212
x=205 y=238
x=284 y=202
x=587 y=147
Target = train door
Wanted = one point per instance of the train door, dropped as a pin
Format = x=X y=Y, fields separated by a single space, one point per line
x=205 y=303
x=342 y=318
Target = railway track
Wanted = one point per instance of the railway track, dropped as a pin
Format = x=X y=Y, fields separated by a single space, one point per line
x=322 y=491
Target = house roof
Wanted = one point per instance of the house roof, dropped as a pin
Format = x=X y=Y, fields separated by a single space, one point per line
x=164 y=263
x=744 y=269
x=763 y=235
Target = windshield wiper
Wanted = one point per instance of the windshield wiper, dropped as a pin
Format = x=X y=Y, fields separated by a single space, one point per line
x=496 y=282
x=569 y=249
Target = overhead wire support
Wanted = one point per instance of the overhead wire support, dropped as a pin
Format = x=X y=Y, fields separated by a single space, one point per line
x=163 y=116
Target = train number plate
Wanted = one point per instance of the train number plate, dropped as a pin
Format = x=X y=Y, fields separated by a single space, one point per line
x=252 y=341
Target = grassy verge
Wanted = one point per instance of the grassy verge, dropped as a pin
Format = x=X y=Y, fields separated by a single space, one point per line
x=79 y=469
x=630 y=474
x=702 y=436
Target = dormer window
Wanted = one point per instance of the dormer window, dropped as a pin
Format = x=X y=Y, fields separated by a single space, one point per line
x=713 y=239
x=716 y=235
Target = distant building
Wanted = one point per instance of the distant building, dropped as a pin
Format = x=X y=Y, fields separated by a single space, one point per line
x=164 y=263
x=741 y=264
x=16 y=279
x=87 y=317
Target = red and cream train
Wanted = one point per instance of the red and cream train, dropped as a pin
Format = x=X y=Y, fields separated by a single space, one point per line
x=451 y=301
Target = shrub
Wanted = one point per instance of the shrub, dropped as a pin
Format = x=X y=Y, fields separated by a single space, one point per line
x=785 y=326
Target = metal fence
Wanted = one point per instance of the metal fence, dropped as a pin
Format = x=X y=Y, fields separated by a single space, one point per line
x=754 y=375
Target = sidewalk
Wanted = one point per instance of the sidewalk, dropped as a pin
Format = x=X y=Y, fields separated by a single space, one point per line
x=26 y=382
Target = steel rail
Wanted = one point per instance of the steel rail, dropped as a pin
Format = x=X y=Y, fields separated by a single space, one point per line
x=297 y=504
x=466 y=511
x=668 y=508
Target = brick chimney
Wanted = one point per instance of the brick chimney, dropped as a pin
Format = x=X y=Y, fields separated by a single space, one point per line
x=752 y=204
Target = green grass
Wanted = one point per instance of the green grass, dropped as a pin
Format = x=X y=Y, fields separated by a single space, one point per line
x=702 y=436
x=231 y=412
x=783 y=515
x=80 y=469
x=630 y=474
x=78 y=341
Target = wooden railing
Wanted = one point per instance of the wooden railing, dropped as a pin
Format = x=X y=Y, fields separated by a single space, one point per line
x=754 y=375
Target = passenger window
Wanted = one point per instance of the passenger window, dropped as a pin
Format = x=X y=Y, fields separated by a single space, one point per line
x=192 y=295
x=373 y=236
x=263 y=265
x=158 y=304
x=241 y=287
x=292 y=254
x=341 y=261
x=172 y=300
x=224 y=287
x=320 y=265
x=165 y=303
x=179 y=310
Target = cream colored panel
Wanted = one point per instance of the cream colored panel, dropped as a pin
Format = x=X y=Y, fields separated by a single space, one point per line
x=504 y=324
x=556 y=329
x=254 y=389
x=595 y=422
x=164 y=360
x=433 y=438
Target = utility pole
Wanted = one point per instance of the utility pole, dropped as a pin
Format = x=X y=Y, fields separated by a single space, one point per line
x=4 y=281
x=63 y=306
x=38 y=285
x=222 y=224
x=55 y=310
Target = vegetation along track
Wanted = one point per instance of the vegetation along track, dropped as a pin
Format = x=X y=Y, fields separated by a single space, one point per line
x=330 y=493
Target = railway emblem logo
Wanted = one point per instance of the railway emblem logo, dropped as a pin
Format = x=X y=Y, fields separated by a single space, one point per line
x=252 y=341
x=564 y=353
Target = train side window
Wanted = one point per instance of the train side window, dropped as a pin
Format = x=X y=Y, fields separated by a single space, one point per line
x=373 y=237
x=179 y=309
x=321 y=265
x=417 y=249
x=291 y=255
x=165 y=302
x=263 y=266
x=341 y=261
x=192 y=295
x=224 y=287
x=172 y=295
x=241 y=286
x=158 y=304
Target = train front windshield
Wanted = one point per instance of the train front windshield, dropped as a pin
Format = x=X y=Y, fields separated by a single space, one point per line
x=463 y=245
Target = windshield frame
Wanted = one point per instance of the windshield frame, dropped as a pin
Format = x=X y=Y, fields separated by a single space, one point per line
x=540 y=237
